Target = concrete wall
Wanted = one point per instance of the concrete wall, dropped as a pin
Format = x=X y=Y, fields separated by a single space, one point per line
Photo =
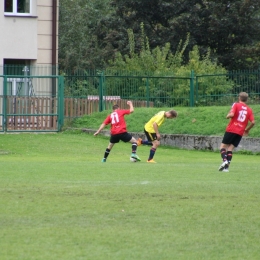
x=195 y=142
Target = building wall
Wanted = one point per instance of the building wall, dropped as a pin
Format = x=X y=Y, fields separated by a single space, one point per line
x=44 y=32
x=28 y=38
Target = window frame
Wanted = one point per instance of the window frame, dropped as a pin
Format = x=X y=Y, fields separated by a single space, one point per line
x=15 y=13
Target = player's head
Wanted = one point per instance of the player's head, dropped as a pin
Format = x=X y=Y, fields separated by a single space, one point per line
x=171 y=114
x=116 y=106
x=243 y=96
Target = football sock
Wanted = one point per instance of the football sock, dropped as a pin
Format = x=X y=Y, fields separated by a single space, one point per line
x=152 y=152
x=223 y=154
x=134 y=147
x=145 y=142
x=229 y=156
x=106 y=153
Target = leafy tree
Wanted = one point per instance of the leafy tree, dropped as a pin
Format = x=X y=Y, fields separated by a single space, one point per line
x=78 y=19
x=155 y=61
x=160 y=62
x=226 y=27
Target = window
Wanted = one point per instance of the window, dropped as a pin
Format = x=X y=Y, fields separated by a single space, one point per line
x=17 y=7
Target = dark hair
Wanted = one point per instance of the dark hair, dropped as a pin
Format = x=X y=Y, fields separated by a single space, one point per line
x=116 y=106
x=243 y=96
x=173 y=113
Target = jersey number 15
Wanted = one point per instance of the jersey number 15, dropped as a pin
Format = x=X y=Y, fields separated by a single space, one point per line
x=242 y=115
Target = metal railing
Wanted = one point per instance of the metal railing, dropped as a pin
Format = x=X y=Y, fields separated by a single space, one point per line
x=31 y=107
x=161 y=91
x=88 y=91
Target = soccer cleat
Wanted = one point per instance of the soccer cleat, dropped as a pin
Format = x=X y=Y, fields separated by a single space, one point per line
x=135 y=156
x=151 y=161
x=104 y=160
x=223 y=166
x=139 y=141
x=225 y=170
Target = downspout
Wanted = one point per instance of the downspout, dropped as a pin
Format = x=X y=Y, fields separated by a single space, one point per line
x=53 y=57
x=54 y=45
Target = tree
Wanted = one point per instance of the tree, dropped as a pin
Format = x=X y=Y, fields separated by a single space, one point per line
x=77 y=44
x=226 y=27
x=161 y=62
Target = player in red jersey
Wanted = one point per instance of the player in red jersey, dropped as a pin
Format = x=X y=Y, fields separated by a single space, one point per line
x=238 y=126
x=118 y=130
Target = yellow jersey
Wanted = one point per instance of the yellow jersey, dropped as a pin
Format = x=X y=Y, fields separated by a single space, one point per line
x=157 y=118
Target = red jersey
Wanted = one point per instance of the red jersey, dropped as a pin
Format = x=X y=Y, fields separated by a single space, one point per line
x=117 y=121
x=238 y=123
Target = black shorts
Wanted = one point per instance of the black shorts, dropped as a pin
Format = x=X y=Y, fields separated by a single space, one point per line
x=231 y=138
x=150 y=136
x=125 y=137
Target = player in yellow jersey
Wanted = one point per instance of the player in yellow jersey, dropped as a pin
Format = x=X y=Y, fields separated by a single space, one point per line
x=151 y=130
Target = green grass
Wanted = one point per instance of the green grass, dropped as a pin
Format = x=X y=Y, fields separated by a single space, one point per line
x=58 y=201
x=197 y=120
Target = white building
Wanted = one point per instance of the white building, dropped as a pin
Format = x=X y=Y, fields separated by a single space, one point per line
x=29 y=32
x=28 y=46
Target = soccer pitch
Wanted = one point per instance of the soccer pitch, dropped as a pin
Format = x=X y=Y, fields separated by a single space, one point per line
x=58 y=201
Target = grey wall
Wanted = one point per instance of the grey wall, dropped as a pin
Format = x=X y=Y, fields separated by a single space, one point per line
x=195 y=142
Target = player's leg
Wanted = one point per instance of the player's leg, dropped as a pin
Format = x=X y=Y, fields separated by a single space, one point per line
x=144 y=142
x=229 y=157
x=223 y=153
x=223 y=150
x=126 y=137
x=113 y=140
x=234 y=143
x=155 y=145
x=108 y=149
x=151 y=137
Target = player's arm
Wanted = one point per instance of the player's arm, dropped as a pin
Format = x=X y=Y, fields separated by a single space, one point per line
x=252 y=123
x=131 y=107
x=230 y=114
x=156 y=129
x=100 y=128
x=232 y=111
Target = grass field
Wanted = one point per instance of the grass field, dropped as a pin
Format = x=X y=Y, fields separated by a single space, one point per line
x=58 y=201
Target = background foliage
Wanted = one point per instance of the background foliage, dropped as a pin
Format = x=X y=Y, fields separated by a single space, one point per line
x=78 y=20
x=92 y=32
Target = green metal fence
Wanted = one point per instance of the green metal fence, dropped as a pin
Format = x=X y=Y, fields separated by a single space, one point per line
x=88 y=91
x=31 y=103
x=147 y=90
x=223 y=89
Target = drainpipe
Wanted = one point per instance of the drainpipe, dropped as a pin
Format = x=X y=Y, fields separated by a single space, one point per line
x=54 y=45
x=54 y=55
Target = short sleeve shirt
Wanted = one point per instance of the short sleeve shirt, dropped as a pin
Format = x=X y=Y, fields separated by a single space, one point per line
x=117 y=121
x=158 y=119
x=242 y=114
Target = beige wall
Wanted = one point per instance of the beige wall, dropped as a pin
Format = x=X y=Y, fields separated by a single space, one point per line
x=28 y=37
x=44 y=32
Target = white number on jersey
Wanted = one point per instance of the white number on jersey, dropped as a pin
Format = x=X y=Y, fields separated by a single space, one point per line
x=114 y=118
x=242 y=115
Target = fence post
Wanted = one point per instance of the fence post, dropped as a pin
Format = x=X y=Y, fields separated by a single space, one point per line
x=4 y=104
x=196 y=89
x=61 y=102
x=147 y=93
x=192 y=89
x=101 y=92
